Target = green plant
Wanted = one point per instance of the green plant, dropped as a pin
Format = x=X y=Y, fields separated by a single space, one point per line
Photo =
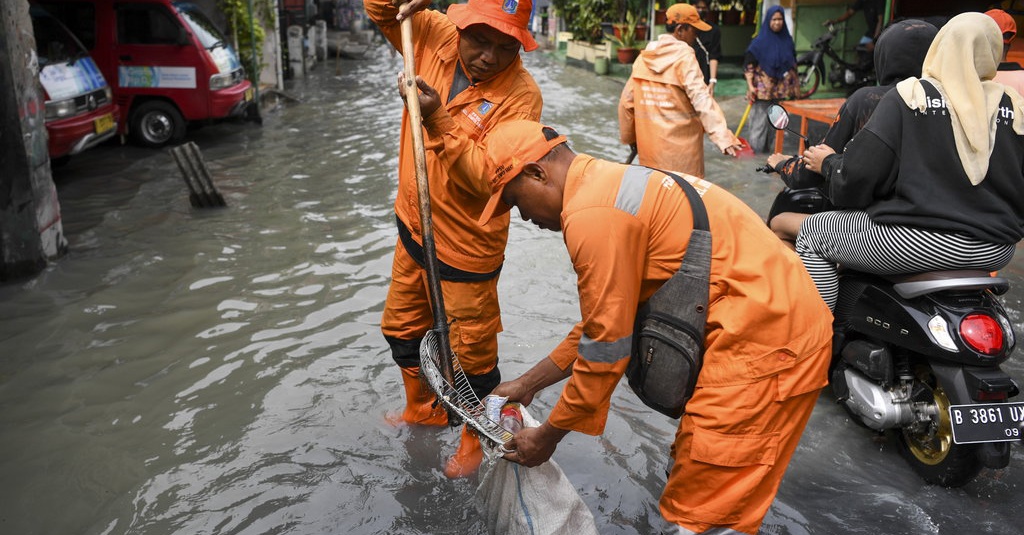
x=584 y=17
x=627 y=32
x=239 y=18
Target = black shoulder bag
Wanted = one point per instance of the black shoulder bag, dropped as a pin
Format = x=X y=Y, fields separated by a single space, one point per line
x=668 y=337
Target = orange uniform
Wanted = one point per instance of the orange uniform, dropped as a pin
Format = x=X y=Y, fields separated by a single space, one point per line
x=665 y=109
x=470 y=255
x=767 y=340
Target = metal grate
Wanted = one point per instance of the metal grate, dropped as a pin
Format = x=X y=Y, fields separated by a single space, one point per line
x=459 y=397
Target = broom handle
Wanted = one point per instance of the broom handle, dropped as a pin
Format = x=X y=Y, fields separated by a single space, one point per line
x=412 y=102
x=744 y=119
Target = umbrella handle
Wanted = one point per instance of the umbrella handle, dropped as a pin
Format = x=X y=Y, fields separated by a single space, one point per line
x=744 y=119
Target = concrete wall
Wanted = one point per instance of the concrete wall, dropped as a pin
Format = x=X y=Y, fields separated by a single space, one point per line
x=30 y=226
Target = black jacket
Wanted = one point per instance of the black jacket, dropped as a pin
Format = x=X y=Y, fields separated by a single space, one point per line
x=903 y=169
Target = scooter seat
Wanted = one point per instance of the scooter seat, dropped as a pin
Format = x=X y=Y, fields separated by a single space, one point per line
x=918 y=284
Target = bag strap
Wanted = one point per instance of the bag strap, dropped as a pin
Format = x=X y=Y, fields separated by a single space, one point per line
x=700 y=213
x=684 y=296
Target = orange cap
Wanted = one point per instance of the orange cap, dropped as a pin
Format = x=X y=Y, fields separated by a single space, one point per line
x=510 y=146
x=510 y=17
x=1006 y=24
x=686 y=14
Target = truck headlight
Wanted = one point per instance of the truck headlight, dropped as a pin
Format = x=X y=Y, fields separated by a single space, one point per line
x=228 y=79
x=56 y=109
x=220 y=81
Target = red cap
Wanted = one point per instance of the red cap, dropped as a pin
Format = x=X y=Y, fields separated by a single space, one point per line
x=686 y=14
x=510 y=17
x=510 y=146
x=1006 y=24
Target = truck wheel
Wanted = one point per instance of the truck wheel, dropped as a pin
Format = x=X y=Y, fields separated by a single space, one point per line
x=156 y=123
x=930 y=449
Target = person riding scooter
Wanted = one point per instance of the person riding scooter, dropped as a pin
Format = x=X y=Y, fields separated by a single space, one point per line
x=899 y=54
x=934 y=180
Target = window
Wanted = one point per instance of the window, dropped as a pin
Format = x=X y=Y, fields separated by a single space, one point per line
x=146 y=24
x=79 y=17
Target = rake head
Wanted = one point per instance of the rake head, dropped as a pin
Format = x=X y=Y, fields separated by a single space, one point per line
x=459 y=397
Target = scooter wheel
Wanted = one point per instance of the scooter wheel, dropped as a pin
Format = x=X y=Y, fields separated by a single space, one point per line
x=931 y=451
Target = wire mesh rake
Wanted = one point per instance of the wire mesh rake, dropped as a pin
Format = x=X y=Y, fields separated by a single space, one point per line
x=459 y=397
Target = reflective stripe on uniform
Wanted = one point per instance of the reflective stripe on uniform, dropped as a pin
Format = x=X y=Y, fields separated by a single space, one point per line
x=631 y=191
x=609 y=352
x=680 y=530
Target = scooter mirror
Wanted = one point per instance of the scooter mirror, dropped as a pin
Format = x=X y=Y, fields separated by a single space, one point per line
x=778 y=116
x=779 y=119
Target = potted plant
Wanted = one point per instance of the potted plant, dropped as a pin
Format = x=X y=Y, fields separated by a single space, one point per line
x=583 y=17
x=625 y=38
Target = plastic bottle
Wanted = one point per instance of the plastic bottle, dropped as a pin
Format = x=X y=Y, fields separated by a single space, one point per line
x=511 y=417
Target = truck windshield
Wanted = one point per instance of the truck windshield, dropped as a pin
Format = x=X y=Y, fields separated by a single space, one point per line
x=202 y=27
x=54 y=43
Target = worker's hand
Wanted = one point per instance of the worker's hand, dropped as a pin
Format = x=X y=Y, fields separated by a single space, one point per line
x=407 y=8
x=775 y=159
x=734 y=149
x=428 y=97
x=515 y=390
x=533 y=446
x=814 y=156
x=828 y=22
x=751 y=95
x=711 y=88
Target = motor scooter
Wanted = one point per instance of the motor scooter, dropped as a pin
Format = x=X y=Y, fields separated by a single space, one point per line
x=918 y=355
x=850 y=76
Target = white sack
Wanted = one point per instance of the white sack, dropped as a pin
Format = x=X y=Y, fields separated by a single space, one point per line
x=514 y=499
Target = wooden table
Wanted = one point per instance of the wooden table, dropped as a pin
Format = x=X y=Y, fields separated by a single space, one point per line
x=820 y=109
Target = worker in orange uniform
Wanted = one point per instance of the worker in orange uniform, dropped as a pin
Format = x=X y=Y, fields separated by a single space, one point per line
x=471 y=78
x=666 y=107
x=1008 y=73
x=767 y=340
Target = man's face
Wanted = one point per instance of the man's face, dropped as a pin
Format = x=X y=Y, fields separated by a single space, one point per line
x=688 y=34
x=485 y=51
x=539 y=201
x=702 y=9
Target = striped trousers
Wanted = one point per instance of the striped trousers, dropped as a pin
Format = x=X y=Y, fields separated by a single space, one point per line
x=851 y=239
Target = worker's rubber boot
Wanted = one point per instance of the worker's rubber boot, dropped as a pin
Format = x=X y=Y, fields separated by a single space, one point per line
x=467 y=458
x=420 y=408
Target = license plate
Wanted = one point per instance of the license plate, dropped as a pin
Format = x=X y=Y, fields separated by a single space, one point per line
x=992 y=422
x=248 y=94
x=104 y=123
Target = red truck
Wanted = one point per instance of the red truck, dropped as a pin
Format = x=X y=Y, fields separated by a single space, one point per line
x=167 y=64
x=80 y=110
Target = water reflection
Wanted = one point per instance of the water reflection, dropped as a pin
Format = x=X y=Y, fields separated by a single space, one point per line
x=222 y=371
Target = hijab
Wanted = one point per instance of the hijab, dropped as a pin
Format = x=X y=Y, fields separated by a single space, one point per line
x=773 y=50
x=901 y=49
x=960 y=64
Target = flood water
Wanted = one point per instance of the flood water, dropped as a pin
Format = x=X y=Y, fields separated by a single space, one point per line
x=188 y=371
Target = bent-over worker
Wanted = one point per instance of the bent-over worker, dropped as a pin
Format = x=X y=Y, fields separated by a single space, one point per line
x=767 y=339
